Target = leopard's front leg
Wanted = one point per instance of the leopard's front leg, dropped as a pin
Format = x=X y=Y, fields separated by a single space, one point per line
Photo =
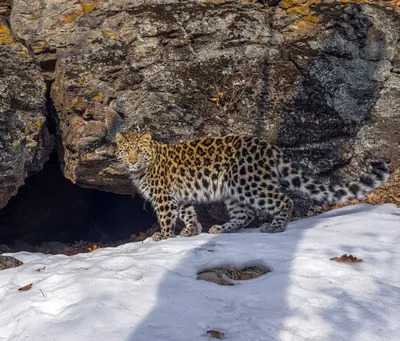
x=167 y=212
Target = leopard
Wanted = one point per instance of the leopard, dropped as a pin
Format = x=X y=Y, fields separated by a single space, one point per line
x=245 y=172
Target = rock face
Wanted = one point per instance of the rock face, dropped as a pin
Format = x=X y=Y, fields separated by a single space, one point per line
x=322 y=79
x=25 y=143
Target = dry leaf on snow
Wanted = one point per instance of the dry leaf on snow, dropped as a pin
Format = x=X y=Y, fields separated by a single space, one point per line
x=40 y=269
x=243 y=277
x=347 y=259
x=212 y=276
x=26 y=287
x=93 y=248
x=215 y=334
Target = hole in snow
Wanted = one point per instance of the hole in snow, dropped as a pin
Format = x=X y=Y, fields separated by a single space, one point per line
x=225 y=275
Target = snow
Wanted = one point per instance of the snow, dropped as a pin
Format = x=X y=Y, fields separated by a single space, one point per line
x=148 y=291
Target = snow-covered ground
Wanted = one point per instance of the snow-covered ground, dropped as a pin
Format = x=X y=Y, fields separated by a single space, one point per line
x=148 y=291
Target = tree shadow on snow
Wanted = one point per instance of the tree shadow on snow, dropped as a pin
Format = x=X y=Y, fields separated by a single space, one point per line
x=285 y=304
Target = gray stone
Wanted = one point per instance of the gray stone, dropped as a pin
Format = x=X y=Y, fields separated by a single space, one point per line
x=55 y=247
x=25 y=142
x=8 y=262
x=5 y=249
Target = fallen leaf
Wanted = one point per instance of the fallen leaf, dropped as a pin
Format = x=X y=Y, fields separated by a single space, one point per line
x=212 y=276
x=93 y=248
x=40 y=269
x=215 y=334
x=347 y=259
x=243 y=277
x=26 y=287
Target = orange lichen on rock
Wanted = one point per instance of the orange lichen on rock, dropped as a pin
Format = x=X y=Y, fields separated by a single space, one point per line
x=6 y=38
x=71 y=17
x=109 y=34
x=88 y=7
x=85 y=7
x=81 y=80
x=307 y=17
x=98 y=97
x=5 y=35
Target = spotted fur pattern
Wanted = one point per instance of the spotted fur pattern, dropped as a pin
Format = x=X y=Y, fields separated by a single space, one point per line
x=244 y=172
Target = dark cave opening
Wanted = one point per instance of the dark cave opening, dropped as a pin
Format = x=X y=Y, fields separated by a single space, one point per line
x=51 y=208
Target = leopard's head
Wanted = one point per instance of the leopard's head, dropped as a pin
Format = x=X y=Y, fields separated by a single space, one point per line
x=134 y=150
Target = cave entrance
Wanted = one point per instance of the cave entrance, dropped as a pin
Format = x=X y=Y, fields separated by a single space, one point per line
x=50 y=212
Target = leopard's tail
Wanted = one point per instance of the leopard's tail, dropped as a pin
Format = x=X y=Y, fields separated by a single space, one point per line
x=315 y=189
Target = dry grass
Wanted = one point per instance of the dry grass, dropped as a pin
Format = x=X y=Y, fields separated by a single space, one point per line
x=224 y=275
x=228 y=92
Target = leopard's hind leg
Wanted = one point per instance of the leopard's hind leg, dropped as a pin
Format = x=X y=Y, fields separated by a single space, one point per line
x=282 y=212
x=240 y=216
x=192 y=225
x=268 y=198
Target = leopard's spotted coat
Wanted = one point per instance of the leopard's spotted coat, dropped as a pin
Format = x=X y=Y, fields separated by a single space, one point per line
x=244 y=172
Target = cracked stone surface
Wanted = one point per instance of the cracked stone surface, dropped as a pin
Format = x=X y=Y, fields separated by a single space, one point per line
x=321 y=81
x=25 y=142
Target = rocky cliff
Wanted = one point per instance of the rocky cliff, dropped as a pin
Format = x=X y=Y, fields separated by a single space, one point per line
x=321 y=78
x=25 y=142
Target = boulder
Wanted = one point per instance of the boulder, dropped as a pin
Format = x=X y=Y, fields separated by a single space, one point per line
x=8 y=262
x=320 y=79
x=25 y=142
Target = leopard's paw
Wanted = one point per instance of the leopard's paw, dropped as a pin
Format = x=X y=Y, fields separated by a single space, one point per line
x=216 y=229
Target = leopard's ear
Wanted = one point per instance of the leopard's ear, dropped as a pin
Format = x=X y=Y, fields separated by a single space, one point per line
x=120 y=138
x=145 y=138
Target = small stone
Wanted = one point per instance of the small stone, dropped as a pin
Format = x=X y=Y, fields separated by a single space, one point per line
x=5 y=249
x=55 y=247
x=215 y=334
x=7 y=262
